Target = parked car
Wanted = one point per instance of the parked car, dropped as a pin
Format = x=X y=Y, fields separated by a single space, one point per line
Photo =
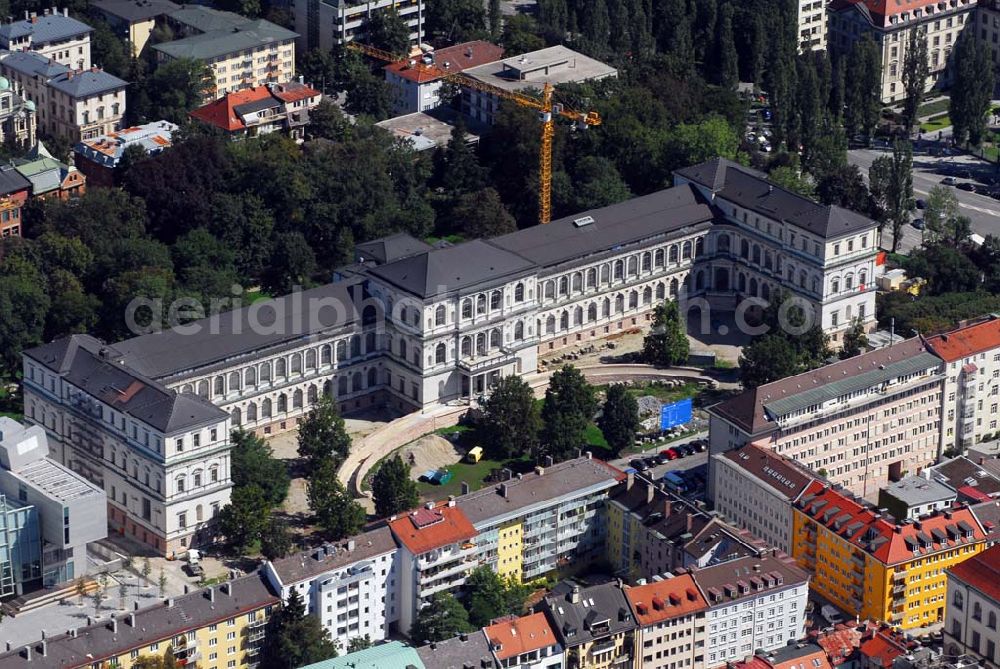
x=949 y=181
x=639 y=465
x=194 y=569
x=918 y=223
x=921 y=204
x=832 y=615
x=684 y=450
x=700 y=445
x=650 y=462
x=670 y=453
x=658 y=459
x=966 y=186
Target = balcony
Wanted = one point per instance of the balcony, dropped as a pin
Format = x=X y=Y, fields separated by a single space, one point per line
x=899 y=575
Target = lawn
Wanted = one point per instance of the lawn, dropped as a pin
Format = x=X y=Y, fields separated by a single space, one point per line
x=932 y=108
x=475 y=474
x=936 y=123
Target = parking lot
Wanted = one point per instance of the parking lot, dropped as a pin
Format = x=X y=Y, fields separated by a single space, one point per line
x=692 y=468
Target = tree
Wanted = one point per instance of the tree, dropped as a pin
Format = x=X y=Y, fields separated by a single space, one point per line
x=23 y=307
x=388 y=31
x=253 y=463
x=510 y=420
x=495 y=19
x=367 y=94
x=490 y=596
x=442 y=618
x=845 y=187
x=568 y=409
x=292 y=264
x=460 y=169
x=619 y=420
x=855 y=340
x=596 y=183
x=792 y=179
x=942 y=207
x=294 y=639
x=915 y=72
x=337 y=514
x=147 y=569
x=243 y=520
x=946 y=269
x=971 y=90
x=767 y=358
x=319 y=68
x=393 y=489
x=162 y=582
x=481 y=215
x=891 y=180
x=863 y=99
x=108 y=50
x=457 y=20
x=729 y=67
x=327 y=120
x=276 y=540
x=666 y=344
x=322 y=435
x=96 y=596
x=359 y=643
x=175 y=88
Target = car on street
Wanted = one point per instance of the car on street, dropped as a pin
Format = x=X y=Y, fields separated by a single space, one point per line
x=949 y=181
x=639 y=465
x=670 y=453
x=966 y=186
x=650 y=462
x=921 y=204
x=700 y=445
x=918 y=223
x=684 y=450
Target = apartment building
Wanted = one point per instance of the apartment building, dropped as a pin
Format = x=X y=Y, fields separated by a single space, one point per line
x=971 y=396
x=240 y=52
x=890 y=25
x=790 y=657
x=653 y=531
x=415 y=85
x=324 y=24
x=390 y=654
x=670 y=615
x=351 y=587
x=14 y=189
x=437 y=551
x=459 y=652
x=133 y=20
x=595 y=625
x=754 y=489
x=773 y=240
x=261 y=110
x=867 y=562
x=860 y=422
x=97 y=158
x=533 y=524
x=812 y=25
x=162 y=458
x=915 y=496
x=974 y=608
x=528 y=642
x=753 y=603
x=218 y=627
x=73 y=104
x=50 y=178
x=973 y=480
x=18 y=116
x=72 y=512
x=53 y=36
x=553 y=65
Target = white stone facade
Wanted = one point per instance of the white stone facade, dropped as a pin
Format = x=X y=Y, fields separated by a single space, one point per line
x=768 y=621
x=323 y=24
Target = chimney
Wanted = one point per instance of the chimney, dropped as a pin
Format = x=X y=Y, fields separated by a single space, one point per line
x=590 y=456
x=539 y=470
x=650 y=493
x=503 y=490
x=114 y=624
x=210 y=591
x=465 y=488
x=548 y=461
x=185 y=589
x=27 y=653
x=690 y=522
x=135 y=606
x=226 y=589
x=629 y=480
x=170 y=602
x=42 y=649
x=463 y=637
x=667 y=507
x=131 y=619
x=574 y=595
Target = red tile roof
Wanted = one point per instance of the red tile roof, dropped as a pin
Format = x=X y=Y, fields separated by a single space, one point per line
x=880 y=650
x=424 y=529
x=663 y=600
x=966 y=342
x=880 y=10
x=839 y=644
x=511 y=638
x=458 y=58
x=982 y=572
x=220 y=113
x=887 y=542
x=293 y=92
x=817 y=660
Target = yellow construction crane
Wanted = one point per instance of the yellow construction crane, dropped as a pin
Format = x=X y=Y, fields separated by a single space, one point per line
x=547 y=111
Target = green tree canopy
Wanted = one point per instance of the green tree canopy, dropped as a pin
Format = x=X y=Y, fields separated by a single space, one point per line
x=767 y=358
x=568 y=409
x=442 y=618
x=971 y=90
x=322 y=435
x=294 y=639
x=490 y=596
x=510 y=422
x=337 y=513
x=855 y=340
x=244 y=519
x=619 y=418
x=666 y=344
x=276 y=539
x=891 y=180
x=253 y=463
x=393 y=489
x=915 y=72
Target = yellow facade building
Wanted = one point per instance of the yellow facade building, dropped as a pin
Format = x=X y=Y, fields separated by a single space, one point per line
x=219 y=627
x=867 y=563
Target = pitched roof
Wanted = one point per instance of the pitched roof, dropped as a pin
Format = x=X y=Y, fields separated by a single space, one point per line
x=222 y=112
x=81 y=362
x=889 y=543
x=712 y=172
x=785 y=476
x=754 y=411
x=310 y=564
x=516 y=495
x=32 y=64
x=967 y=341
x=599 y=611
x=720 y=584
x=389 y=249
x=43 y=29
x=12 y=181
x=425 y=529
x=452 y=268
x=881 y=650
x=667 y=211
x=511 y=638
x=967 y=477
x=449 y=59
x=251 y=34
x=840 y=643
x=389 y=655
x=205 y=19
x=134 y=10
x=86 y=83
x=459 y=652
x=982 y=572
x=108 y=149
x=988 y=515
x=95 y=643
x=881 y=12
x=798 y=656
x=663 y=600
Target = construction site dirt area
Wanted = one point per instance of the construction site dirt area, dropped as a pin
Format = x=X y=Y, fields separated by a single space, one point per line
x=428 y=453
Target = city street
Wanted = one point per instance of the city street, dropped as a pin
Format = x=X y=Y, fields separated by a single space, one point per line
x=681 y=464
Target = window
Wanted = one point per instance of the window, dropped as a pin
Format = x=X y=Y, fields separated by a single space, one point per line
x=181 y=482
x=519 y=292
x=439 y=353
x=496 y=299
x=958 y=601
x=467 y=308
x=182 y=520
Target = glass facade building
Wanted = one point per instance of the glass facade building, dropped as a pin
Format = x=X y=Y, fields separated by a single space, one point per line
x=20 y=548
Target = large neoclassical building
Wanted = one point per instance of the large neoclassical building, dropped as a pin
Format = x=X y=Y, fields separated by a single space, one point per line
x=410 y=325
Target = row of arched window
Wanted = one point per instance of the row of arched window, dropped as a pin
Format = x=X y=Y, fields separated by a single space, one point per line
x=605 y=308
x=197 y=479
x=266 y=409
x=481 y=304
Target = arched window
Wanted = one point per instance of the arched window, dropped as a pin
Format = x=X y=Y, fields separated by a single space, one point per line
x=372 y=378
x=592 y=312
x=198 y=513
x=326 y=355
x=699 y=247
x=674 y=285
x=647 y=261
x=619 y=271
x=577 y=282
x=440 y=352
x=673 y=254
x=958 y=601
x=282 y=403
x=466 y=347
x=496 y=339
x=835 y=286
x=633 y=266
x=341 y=350
x=606 y=307
x=563 y=285
x=619 y=303
x=311 y=359
x=264 y=373
x=213 y=474
x=765 y=291
x=802 y=278
x=699 y=280
x=658 y=258
x=862 y=279
x=768 y=260
x=977 y=611
x=369 y=343
x=439 y=314
x=723 y=243
x=237 y=417
x=518 y=331
x=647 y=295
x=519 y=292
x=356 y=346
x=564 y=321
x=633 y=299
x=467 y=308
x=753 y=287
x=297 y=399
x=280 y=368
x=592 y=278
x=745 y=249
x=197 y=479
x=402 y=348
x=180 y=483
x=991 y=620
x=496 y=300
x=481 y=343
x=265 y=408
x=203 y=388
x=356 y=382
x=578 y=316
x=550 y=289
x=219 y=386
x=849 y=282
x=480 y=304
x=312 y=394
x=605 y=274
x=234 y=381
x=185 y=389
x=550 y=324
x=756 y=254
x=686 y=251
x=369 y=315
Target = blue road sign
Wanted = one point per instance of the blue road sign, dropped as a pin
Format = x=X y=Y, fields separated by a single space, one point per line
x=672 y=415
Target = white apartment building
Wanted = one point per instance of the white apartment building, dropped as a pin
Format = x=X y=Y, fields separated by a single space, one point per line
x=753 y=603
x=53 y=35
x=973 y=611
x=859 y=422
x=324 y=24
x=971 y=397
x=772 y=240
x=437 y=552
x=754 y=489
x=162 y=458
x=890 y=24
x=812 y=25
x=415 y=85
x=74 y=104
x=351 y=587
x=671 y=616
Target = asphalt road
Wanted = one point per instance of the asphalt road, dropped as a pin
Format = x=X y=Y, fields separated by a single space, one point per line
x=928 y=171
x=680 y=464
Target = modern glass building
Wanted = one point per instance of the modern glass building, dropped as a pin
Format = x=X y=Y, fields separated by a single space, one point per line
x=20 y=548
